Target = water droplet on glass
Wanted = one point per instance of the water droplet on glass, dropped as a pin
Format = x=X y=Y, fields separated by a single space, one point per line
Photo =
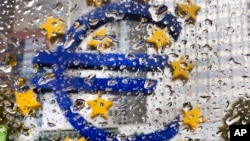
x=207 y=46
x=76 y=62
x=46 y=78
x=205 y=31
x=112 y=82
x=69 y=88
x=233 y=14
x=140 y=44
x=127 y=4
x=3 y=85
x=35 y=42
x=143 y=61
x=208 y=22
x=233 y=61
x=80 y=103
x=58 y=7
x=89 y=79
x=161 y=10
x=125 y=81
x=38 y=7
x=247 y=57
x=244 y=122
x=76 y=24
x=148 y=84
x=230 y=121
x=130 y=56
x=29 y=3
x=139 y=27
x=14 y=43
x=3 y=43
x=26 y=131
x=2 y=49
x=26 y=11
x=184 y=42
x=205 y=98
x=93 y=21
x=68 y=43
x=35 y=68
x=230 y=30
x=158 y=110
x=50 y=124
x=5 y=69
x=122 y=67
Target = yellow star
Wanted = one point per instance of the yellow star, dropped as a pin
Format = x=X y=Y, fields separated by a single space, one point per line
x=193 y=118
x=97 y=3
x=54 y=28
x=99 y=33
x=98 y=38
x=107 y=43
x=99 y=107
x=81 y=139
x=93 y=43
x=181 y=69
x=159 y=38
x=189 y=11
x=26 y=101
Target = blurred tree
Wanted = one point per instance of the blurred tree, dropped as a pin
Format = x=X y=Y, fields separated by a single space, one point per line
x=10 y=116
x=238 y=115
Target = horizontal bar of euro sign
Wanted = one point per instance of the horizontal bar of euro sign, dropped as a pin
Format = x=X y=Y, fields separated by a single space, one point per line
x=134 y=86
x=132 y=62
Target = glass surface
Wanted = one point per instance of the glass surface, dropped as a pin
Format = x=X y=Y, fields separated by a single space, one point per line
x=145 y=98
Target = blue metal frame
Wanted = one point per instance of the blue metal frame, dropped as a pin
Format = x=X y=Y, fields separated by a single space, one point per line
x=63 y=58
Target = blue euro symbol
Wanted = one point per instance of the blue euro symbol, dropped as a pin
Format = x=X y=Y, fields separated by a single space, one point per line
x=63 y=59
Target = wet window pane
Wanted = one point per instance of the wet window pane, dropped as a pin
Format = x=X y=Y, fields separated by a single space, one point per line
x=137 y=70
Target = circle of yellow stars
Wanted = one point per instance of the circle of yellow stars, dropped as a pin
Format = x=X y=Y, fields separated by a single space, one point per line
x=159 y=39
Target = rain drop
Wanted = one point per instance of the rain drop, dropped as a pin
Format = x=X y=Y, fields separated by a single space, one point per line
x=93 y=21
x=148 y=84
x=208 y=22
x=68 y=43
x=38 y=7
x=112 y=82
x=58 y=7
x=29 y=3
x=46 y=78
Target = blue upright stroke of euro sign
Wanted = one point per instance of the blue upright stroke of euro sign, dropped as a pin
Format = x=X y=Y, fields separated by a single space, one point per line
x=63 y=58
